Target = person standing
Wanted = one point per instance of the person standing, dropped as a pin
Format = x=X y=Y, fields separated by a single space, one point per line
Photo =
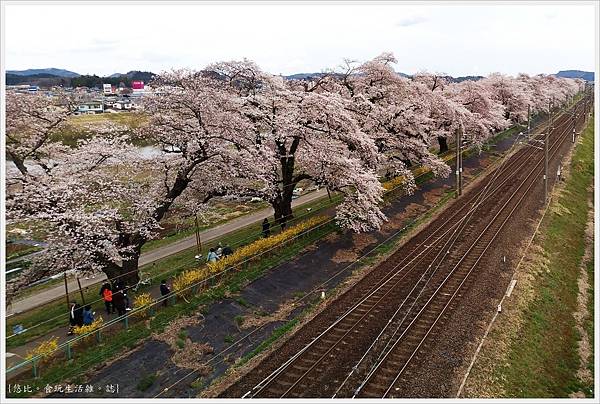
x=266 y=228
x=106 y=293
x=118 y=301
x=75 y=317
x=164 y=291
x=120 y=287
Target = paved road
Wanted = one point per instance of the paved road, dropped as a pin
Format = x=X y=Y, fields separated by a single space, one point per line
x=52 y=293
x=33 y=243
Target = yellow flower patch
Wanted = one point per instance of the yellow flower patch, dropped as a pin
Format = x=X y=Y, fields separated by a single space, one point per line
x=193 y=276
x=44 y=349
x=84 y=329
x=140 y=302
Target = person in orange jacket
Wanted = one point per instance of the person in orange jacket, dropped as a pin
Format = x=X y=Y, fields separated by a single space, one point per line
x=106 y=293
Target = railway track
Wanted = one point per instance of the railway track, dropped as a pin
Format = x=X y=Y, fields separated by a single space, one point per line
x=375 y=338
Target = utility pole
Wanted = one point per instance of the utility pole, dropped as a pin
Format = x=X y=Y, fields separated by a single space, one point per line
x=67 y=293
x=546 y=141
x=458 y=162
x=574 y=120
x=80 y=291
x=528 y=119
x=460 y=179
x=197 y=230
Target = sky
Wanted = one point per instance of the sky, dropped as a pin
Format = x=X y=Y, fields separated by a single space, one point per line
x=456 y=39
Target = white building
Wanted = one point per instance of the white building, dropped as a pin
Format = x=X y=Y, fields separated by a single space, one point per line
x=123 y=105
x=91 y=107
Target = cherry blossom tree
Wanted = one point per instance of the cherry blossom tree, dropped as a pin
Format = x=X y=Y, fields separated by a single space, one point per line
x=511 y=93
x=394 y=111
x=31 y=120
x=485 y=116
x=544 y=89
x=233 y=129
x=298 y=134
x=446 y=115
x=103 y=200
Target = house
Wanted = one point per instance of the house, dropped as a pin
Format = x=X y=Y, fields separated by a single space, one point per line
x=91 y=107
x=122 y=105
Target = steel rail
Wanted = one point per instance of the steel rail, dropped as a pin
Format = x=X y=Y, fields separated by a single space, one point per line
x=561 y=138
x=267 y=380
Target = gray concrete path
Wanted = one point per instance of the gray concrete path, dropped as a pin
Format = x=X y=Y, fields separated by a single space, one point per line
x=58 y=291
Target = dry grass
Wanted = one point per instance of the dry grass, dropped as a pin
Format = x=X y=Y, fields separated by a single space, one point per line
x=281 y=314
x=359 y=242
x=585 y=348
x=191 y=354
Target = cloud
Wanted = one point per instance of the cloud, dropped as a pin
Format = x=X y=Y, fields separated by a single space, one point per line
x=412 y=20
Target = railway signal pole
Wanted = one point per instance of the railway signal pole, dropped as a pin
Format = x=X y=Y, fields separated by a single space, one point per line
x=528 y=119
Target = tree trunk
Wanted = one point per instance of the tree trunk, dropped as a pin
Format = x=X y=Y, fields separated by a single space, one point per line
x=443 y=144
x=283 y=209
x=127 y=272
x=130 y=273
x=19 y=162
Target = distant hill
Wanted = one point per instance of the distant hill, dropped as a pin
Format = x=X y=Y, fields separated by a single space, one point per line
x=115 y=79
x=303 y=76
x=52 y=76
x=41 y=79
x=576 y=74
x=45 y=78
x=51 y=70
x=463 y=78
x=306 y=76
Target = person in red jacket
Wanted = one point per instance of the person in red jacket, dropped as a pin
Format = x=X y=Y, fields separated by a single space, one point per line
x=106 y=293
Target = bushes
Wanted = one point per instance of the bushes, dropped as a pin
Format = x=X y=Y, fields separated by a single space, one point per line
x=84 y=329
x=44 y=349
x=191 y=277
x=393 y=183
x=140 y=304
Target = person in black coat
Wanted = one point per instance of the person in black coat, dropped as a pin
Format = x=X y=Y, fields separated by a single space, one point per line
x=118 y=300
x=266 y=228
x=227 y=250
x=75 y=316
x=123 y=289
x=164 y=291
